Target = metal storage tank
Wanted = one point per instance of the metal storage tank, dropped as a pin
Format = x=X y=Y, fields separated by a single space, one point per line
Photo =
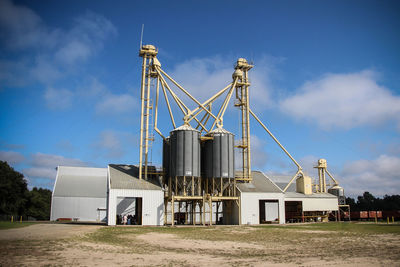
x=339 y=192
x=218 y=155
x=166 y=157
x=185 y=152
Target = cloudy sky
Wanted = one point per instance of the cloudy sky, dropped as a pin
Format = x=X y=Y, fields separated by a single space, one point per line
x=326 y=81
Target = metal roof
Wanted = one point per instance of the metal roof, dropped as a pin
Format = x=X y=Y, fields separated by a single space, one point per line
x=80 y=182
x=185 y=127
x=283 y=180
x=291 y=188
x=260 y=183
x=219 y=131
x=126 y=177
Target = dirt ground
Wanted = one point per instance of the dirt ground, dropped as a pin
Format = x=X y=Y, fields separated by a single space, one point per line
x=46 y=231
x=92 y=245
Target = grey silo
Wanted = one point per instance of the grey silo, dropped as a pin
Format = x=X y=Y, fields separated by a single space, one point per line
x=185 y=152
x=218 y=155
x=339 y=192
x=166 y=157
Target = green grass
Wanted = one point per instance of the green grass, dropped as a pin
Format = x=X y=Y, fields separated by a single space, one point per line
x=273 y=233
x=350 y=227
x=10 y=225
x=292 y=243
x=357 y=238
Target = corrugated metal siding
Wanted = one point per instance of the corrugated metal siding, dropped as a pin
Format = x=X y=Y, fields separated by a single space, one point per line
x=81 y=186
x=125 y=177
x=250 y=206
x=317 y=204
x=80 y=182
x=152 y=201
x=320 y=204
x=260 y=183
x=82 y=208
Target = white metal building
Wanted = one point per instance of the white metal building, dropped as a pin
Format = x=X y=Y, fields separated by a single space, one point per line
x=261 y=201
x=79 y=194
x=315 y=203
x=128 y=195
x=100 y=194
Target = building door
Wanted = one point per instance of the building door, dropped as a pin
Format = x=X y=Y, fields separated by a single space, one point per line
x=269 y=211
x=293 y=211
x=130 y=207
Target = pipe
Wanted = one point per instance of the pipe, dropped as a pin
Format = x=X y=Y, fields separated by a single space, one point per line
x=169 y=106
x=276 y=140
x=186 y=92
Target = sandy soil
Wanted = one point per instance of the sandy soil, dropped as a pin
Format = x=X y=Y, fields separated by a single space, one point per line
x=62 y=244
x=47 y=231
x=172 y=241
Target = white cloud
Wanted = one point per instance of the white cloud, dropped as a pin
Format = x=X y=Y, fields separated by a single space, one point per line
x=49 y=54
x=203 y=77
x=85 y=38
x=49 y=160
x=8 y=71
x=22 y=28
x=40 y=172
x=114 y=144
x=9 y=146
x=44 y=165
x=116 y=104
x=45 y=71
x=11 y=157
x=379 y=176
x=58 y=98
x=92 y=88
x=308 y=163
x=343 y=100
x=259 y=156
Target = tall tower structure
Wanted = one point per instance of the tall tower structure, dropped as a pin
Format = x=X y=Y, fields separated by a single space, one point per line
x=242 y=101
x=148 y=53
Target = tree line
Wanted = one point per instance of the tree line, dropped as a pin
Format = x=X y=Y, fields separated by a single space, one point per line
x=17 y=200
x=368 y=202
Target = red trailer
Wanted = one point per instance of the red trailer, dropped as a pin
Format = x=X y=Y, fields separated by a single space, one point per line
x=371 y=214
x=358 y=215
x=379 y=214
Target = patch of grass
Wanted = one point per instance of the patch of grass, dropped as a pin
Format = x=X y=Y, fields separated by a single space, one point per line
x=348 y=227
x=10 y=225
x=274 y=243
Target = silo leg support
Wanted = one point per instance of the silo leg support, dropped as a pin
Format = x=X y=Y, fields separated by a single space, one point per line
x=211 y=211
x=172 y=211
x=204 y=212
x=165 y=210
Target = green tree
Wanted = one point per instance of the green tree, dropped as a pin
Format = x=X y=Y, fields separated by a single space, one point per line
x=13 y=191
x=350 y=201
x=366 y=201
x=38 y=205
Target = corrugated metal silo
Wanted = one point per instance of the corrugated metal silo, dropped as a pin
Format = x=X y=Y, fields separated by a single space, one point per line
x=339 y=192
x=218 y=155
x=185 y=152
x=166 y=157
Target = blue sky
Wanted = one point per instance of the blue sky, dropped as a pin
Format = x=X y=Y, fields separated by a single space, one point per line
x=326 y=81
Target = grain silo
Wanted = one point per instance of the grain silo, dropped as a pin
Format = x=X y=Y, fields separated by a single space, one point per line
x=219 y=162
x=184 y=167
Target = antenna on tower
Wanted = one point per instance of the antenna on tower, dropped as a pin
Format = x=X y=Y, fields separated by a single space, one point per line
x=141 y=37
